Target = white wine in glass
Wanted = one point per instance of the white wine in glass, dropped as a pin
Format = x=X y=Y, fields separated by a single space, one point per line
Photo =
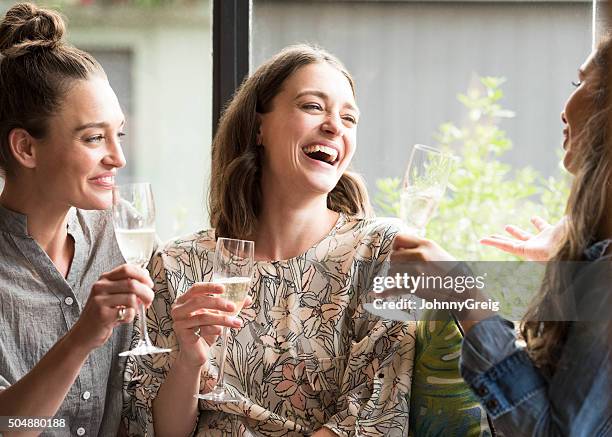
x=424 y=185
x=136 y=244
x=134 y=221
x=235 y=291
x=232 y=267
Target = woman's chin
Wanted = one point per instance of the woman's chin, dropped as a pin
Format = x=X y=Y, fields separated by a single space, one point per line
x=322 y=184
x=95 y=202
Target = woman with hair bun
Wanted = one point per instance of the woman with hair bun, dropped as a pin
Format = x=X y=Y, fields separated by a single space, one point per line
x=66 y=297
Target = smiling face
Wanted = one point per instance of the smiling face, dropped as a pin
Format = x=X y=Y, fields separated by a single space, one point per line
x=77 y=160
x=309 y=133
x=578 y=109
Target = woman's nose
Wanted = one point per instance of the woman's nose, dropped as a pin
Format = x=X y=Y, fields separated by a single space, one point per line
x=333 y=125
x=115 y=156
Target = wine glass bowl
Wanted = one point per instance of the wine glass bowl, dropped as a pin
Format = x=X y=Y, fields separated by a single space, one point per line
x=423 y=186
x=134 y=222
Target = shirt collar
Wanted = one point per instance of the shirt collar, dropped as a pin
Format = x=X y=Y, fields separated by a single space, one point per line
x=13 y=222
x=16 y=223
x=597 y=250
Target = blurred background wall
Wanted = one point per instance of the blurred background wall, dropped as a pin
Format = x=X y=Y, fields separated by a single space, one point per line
x=409 y=58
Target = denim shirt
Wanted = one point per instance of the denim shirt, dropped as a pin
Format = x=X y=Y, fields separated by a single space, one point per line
x=575 y=401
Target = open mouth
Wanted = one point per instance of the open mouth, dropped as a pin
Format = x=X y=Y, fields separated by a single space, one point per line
x=322 y=153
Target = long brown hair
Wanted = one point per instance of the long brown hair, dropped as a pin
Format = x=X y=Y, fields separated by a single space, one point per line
x=586 y=210
x=36 y=70
x=235 y=189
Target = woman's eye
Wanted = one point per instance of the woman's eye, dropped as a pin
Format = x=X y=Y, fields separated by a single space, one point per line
x=94 y=138
x=312 y=106
x=350 y=119
x=120 y=135
x=576 y=84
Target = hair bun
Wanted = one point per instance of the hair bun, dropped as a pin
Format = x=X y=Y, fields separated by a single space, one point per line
x=27 y=29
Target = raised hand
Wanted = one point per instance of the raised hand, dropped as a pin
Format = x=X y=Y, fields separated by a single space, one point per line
x=533 y=247
x=415 y=256
x=409 y=247
x=420 y=257
x=122 y=287
x=198 y=317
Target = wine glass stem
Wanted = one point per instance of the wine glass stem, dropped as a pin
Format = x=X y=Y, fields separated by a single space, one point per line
x=419 y=232
x=219 y=384
x=144 y=333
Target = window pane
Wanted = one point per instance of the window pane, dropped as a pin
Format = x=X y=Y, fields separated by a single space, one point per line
x=157 y=56
x=410 y=60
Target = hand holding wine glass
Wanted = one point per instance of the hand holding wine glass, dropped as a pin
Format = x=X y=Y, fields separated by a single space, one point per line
x=134 y=221
x=198 y=318
x=122 y=287
x=233 y=269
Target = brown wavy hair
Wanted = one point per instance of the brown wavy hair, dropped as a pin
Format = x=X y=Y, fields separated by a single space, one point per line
x=235 y=185
x=37 y=67
x=587 y=208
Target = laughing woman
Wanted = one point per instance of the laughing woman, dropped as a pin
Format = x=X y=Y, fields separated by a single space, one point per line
x=305 y=358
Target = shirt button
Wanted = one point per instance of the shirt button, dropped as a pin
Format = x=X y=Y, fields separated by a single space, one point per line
x=69 y=301
x=482 y=391
x=492 y=404
x=86 y=395
x=81 y=431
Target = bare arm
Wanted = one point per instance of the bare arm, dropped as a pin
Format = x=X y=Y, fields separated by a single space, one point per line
x=175 y=410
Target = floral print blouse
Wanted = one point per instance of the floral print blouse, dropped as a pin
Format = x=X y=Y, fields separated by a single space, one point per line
x=308 y=354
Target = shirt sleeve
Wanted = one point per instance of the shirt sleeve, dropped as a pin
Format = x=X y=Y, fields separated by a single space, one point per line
x=4 y=384
x=497 y=370
x=376 y=382
x=374 y=392
x=488 y=343
x=575 y=400
x=145 y=374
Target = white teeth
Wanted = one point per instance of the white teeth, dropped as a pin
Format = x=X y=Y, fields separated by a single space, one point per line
x=329 y=151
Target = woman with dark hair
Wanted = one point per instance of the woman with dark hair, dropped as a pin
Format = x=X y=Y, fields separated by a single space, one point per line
x=67 y=301
x=561 y=382
x=305 y=358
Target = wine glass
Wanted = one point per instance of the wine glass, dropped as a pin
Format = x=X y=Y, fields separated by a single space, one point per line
x=134 y=221
x=424 y=185
x=232 y=267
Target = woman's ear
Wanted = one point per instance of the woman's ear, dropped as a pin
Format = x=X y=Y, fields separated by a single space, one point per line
x=22 y=146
